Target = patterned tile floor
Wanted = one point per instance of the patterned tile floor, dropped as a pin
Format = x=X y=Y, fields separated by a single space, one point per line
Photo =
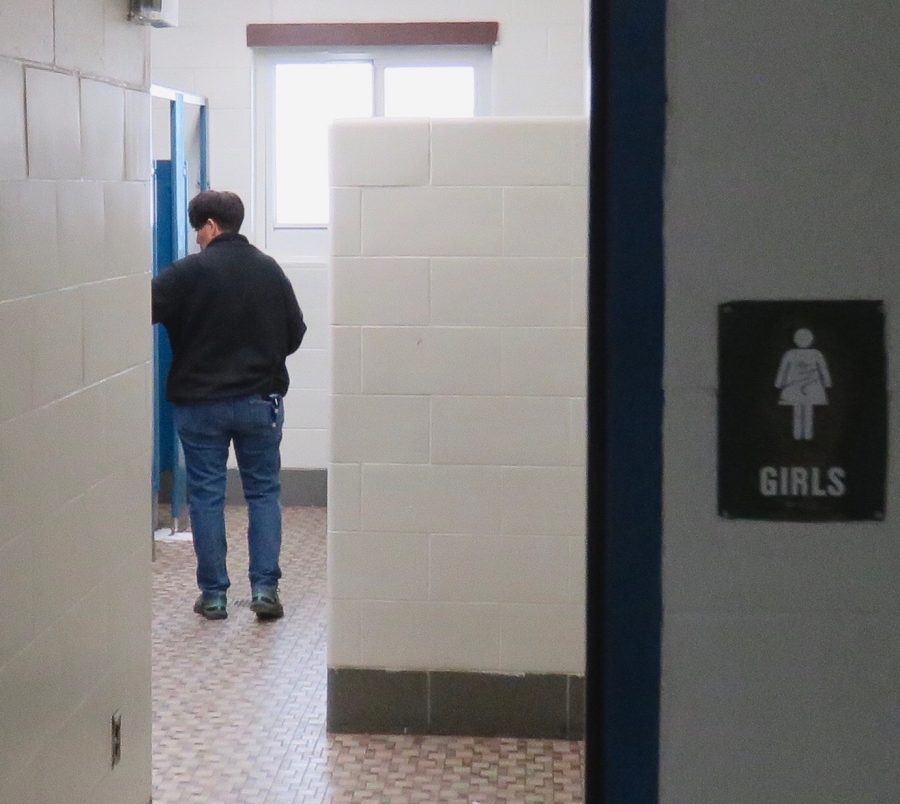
x=239 y=706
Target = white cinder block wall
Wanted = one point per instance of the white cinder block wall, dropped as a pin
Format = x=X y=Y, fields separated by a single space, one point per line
x=538 y=69
x=456 y=507
x=781 y=642
x=74 y=402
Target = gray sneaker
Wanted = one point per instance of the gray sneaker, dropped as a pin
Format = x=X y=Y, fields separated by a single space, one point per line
x=266 y=604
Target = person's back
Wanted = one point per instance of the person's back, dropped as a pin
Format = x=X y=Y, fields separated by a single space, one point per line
x=232 y=319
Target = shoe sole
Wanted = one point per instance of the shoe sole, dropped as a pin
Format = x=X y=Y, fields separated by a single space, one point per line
x=266 y=611
x=211 y=614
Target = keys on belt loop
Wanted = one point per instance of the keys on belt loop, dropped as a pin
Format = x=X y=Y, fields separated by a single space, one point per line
x=275 y=399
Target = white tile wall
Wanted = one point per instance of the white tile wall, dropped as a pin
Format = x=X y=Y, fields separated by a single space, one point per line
x=344 y=622
x=58 y=348
x=398 y=154
x=82 y=230
x=512 y=430
x=430 y=360
x=549 y=361
x=425 y=498
x=463 y=636
x=28 y=718
x=378 y=566
x=138 y=136
x=304 y=448
x=102 y=130
x=225 y=87
x=577 y=431
x=578 y=568
x=307 y=366
x=526 y=69
x=344 y=497
x=386 y=428
x=126 y=208
x=543 y=499
x=309 y=409
x=27 y=30
x=310 y=282
x=28 y=238
x=306 y=409
x=17 y=326
x=457 y=474
x=103 y=302
x=12 y=112
x=541 y=638
x=510 y=292
x=441 y=636
x=231 y=170
x=53 y=125
x=492 y=568
x=75 y=406
x=394 y=634
x=346 y=365
x=236 y=122
x=564 y=43
x=376 y=291
x=579 y=292
x=506 y=152
x=24 y=437
x=78 y=35
x=432 y=221
x=545 y=221
x=127 y=408
x=18 y=625
x=346 y=222
x=126 y=52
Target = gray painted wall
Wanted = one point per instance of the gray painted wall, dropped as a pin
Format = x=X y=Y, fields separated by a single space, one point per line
x=781 y=641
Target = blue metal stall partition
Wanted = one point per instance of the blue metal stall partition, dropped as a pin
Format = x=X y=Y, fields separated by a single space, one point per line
x=170 y=243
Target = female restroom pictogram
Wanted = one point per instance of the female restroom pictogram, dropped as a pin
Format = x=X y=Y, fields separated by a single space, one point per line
x=803 y=378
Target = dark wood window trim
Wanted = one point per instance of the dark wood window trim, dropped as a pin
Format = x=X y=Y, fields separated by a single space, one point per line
x=370 y=34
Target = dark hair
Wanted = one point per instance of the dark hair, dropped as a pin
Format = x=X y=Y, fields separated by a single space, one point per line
x=224 y=207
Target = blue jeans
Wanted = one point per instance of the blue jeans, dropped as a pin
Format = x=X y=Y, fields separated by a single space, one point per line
x=206 y=429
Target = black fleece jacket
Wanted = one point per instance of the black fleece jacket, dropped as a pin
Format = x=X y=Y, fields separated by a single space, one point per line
x=232 y=319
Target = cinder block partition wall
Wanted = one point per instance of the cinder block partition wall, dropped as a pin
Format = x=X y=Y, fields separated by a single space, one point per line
x=456 y=483
x=74 y=403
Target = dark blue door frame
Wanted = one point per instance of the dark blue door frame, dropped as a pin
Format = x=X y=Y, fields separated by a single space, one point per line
x=625 y=401
x=170 y=241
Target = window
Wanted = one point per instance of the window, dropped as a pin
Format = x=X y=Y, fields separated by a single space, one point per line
x=308 y=97
x=300 y=91
x=429 y=92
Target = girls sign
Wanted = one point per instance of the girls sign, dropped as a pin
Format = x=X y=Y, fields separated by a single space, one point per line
x=802 y=410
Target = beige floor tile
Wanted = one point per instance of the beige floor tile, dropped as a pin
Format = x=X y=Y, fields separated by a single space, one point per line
x=239 y=706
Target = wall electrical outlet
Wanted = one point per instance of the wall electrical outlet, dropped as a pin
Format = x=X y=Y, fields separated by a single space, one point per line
x=116 y=735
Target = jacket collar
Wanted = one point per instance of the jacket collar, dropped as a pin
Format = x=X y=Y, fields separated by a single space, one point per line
x=227 y=237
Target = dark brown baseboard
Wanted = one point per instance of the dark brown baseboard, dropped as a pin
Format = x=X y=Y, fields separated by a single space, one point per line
x=537 y=706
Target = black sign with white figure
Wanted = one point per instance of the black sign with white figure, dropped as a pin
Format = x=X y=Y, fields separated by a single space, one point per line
x=802 y=410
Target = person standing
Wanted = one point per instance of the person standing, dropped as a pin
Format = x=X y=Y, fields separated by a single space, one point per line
x=232 y=319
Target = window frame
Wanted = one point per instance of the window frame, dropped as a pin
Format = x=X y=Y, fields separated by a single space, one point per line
x=309 y=240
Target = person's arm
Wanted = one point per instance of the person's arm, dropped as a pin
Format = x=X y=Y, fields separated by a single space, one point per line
x=296 y=327
x=163 y=296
